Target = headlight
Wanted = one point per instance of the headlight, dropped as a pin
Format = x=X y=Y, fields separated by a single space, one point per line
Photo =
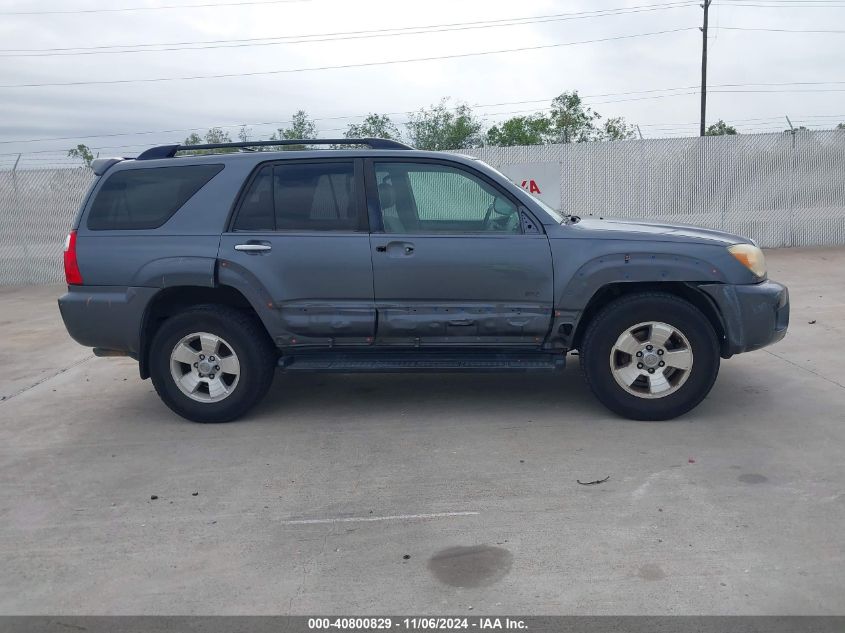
x=751 y=257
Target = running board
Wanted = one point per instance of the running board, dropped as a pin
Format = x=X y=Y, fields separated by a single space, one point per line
x=415 y=361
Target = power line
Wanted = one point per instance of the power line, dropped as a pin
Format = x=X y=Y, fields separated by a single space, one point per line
x=159 y=8
x=655 y=127
x=778 y=91
x=658 y=126
x=783 y=83
x=777 y=117
x=808 y=4
x=722 y=3
x=334 y=118
x=689 y=91
x=344 y=66
x=357 y=116
x=740 y=28
x=339 y=36
x=798 y=2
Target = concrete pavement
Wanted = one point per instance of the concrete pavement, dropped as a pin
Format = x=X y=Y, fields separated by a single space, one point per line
x=426 y=493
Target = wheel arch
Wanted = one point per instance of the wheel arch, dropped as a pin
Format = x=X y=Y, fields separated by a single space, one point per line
x=612 y=291
x=172 y=300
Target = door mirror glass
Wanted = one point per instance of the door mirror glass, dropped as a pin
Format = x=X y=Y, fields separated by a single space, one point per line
x=503 y=206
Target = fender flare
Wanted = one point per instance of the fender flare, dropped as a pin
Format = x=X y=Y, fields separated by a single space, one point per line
x=640 y=269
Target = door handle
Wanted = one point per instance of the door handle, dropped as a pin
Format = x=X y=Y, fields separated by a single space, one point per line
x=396 y=249
x=250 y=247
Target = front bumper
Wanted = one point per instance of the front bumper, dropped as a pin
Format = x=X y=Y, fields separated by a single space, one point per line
x=753 y=315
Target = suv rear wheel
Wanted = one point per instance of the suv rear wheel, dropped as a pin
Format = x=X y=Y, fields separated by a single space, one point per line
x=211 y=363
x=650 y=356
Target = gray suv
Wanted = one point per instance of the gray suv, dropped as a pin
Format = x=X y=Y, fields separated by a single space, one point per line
x=214 y=270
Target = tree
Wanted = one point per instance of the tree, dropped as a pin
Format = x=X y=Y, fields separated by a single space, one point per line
x=617 y=129
x=572 y=121
x=82 y=152
x=301 y=127
x=213 y=135
x=217 y=135
x=720 y=128
x=569 y=121
x=374 y=126
x=533 y=129
x=193 y=139
x=841 y=126
x=443 y=127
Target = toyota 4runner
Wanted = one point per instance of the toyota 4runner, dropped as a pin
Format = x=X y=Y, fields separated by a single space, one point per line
x=214 y=270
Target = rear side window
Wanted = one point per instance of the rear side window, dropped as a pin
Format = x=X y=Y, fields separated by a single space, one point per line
x=146 y=198
x=301 y=197
x=256 y=213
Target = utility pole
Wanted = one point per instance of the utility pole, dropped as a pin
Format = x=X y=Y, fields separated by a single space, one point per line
x=791 y=130
x=706 y=7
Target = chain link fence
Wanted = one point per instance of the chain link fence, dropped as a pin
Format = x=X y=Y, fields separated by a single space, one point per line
x=780 y=189
x=37 y=208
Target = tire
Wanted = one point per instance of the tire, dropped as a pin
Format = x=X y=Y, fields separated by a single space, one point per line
x=654 y=391
x=245 y=360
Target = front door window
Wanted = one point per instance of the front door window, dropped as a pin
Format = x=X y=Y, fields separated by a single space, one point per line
x=432 y=198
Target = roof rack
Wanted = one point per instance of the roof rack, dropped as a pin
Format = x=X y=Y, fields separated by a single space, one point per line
x=169 y=151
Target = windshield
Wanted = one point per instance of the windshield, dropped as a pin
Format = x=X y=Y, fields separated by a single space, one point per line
x=557 y=216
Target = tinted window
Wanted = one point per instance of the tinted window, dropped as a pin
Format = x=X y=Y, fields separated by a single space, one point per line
x=256 y=212
x=146 y=198
x=422 y=198
x=315 y=196
x=301 y=196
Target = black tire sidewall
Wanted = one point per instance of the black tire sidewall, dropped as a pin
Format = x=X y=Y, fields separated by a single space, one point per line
x=253 y=359
x=624 y=314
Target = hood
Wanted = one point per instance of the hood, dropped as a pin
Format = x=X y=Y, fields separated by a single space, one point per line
x=621 y=229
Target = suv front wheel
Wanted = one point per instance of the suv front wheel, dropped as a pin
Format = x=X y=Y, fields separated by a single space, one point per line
x=211 y=363
x=650 y=356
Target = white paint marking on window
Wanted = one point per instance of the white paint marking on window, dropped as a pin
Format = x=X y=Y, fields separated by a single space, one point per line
x=395 y=517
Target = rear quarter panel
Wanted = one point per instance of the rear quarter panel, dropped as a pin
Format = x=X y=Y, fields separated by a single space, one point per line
x=182 y=251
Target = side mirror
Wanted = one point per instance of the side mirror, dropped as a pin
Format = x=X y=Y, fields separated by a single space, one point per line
x=503 y=206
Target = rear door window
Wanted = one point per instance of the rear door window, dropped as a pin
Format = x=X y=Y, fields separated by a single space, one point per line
x=146 y=198
x=256 y=212
x=314 y=196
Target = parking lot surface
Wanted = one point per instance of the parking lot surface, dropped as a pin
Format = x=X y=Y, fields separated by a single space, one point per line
x=426 y=493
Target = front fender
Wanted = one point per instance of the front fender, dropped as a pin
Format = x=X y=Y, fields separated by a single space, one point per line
x=643 y=269
x=633 y=267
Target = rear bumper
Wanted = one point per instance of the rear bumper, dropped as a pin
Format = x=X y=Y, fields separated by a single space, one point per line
x=753 y=315
x=106 y=317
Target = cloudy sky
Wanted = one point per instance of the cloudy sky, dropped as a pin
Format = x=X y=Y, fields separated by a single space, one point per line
x=639 y=59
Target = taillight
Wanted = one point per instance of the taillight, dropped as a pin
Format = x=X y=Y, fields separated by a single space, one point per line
x=72 y=274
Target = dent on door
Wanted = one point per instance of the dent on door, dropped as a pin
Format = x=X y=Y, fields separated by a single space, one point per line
x=476 y=323
x=462 y=291
x=317 y=290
